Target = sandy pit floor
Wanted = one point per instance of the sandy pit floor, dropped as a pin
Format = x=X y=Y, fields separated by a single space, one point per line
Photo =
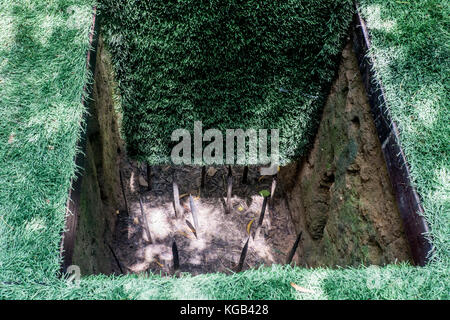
x=220 y=236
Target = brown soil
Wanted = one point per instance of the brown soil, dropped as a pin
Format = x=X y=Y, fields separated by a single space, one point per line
x=221 y=236
x=99 y=191
x=341 y=193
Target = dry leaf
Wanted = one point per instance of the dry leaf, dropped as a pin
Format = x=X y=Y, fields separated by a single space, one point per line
x=136 y=220
x=143 y=182
x=260 y=178
x=211 y=171
x=301 y=289
x=159 y=263
x=183 y=195
x=240 y=208
x=184 y=234
x=249 y=225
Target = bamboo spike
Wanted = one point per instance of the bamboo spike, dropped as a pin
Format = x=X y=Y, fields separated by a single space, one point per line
x=192 y=228
x=263 y=210
x=229 y=189
x=294 y=248
x=202 y=184
x=245 y=175
x=123 y=192
x=193 y=211
x=116 y=259
x=243 y=255
x=144 y=218
x=272 y=189
x=261 y=218
x=176 y=260
x=176 y=196
x=149 y=177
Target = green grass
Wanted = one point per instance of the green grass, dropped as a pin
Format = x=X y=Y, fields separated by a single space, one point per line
x=391 y=282
x=223 y=63
x=410 y=46
x=43 y=47
x=42 y=73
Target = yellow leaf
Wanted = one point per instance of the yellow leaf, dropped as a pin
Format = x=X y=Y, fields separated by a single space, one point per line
x=184 y=234
x=240 y=208
x=260 y=178
x=301 y=289
x=249 y=225
x=159 y=263
x=183 y=195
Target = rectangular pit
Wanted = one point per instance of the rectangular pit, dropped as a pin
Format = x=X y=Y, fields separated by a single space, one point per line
x=333 y=196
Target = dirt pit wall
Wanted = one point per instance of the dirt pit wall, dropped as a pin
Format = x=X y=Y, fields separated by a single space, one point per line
x=100 y=191
x=340 y=195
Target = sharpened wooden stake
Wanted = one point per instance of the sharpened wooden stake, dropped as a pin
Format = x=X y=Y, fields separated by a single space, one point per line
x=243 y=255
x=294 y=248
x=245 y=175
x=272 y=190
x=263 y=211
x=261 y=218
x=193 y=211
x=176 y=196
x=176 y=260
x=202 y=183
x=149 y=177
x=229 y=189
x=192 y=228
x=115 y=258
x=144 y=220
x=123 y=192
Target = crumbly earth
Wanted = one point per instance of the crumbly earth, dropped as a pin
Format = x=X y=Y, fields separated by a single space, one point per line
x=220 y=236
x=340 y=194
x=100 y=192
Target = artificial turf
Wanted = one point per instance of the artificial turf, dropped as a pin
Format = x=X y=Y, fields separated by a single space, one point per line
x=230 y=65
x=412 y=60
x=274 y=283
x=43 y=47
x=42 y=73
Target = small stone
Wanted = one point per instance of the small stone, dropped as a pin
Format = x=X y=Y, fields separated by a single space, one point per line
x=353 y=168
x=143 y=182
x=211 y=171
